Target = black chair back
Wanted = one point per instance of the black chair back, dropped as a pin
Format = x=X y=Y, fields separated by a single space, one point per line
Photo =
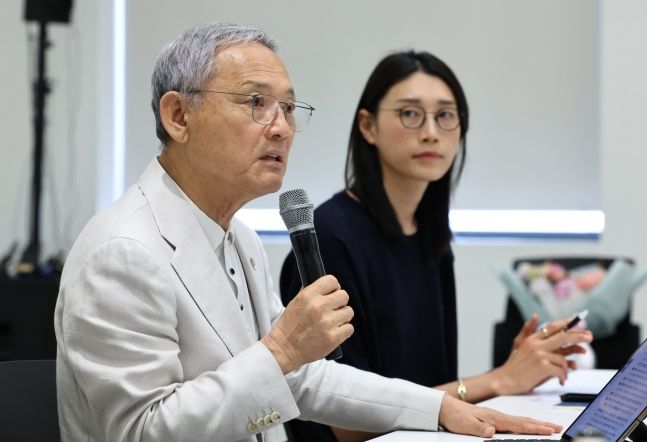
x=28 y=408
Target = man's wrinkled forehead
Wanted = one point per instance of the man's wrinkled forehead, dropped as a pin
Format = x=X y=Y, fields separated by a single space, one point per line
x=252 y=66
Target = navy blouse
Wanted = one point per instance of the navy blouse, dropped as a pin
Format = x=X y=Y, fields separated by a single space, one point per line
x=405 y=309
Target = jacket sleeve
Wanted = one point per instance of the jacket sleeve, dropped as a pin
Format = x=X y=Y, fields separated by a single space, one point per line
x=343 y=396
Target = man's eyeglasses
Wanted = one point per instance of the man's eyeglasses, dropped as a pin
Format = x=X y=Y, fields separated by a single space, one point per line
x=264 y=109
x=414 y=117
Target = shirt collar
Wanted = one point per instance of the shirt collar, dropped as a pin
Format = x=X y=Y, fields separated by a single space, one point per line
x=215 y=233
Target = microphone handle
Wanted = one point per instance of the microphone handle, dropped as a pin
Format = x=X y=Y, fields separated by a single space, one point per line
x=310 y=264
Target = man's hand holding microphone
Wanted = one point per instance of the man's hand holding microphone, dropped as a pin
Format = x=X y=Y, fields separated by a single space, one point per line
x=317 y=320
x=313 y=324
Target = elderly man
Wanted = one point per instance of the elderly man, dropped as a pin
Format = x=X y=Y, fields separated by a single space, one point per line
x=167 y=325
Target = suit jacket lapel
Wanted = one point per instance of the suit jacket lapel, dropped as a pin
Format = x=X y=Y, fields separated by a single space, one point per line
x=253 y=266
x=193 y=260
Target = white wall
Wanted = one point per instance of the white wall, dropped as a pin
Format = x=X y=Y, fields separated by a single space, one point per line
x=621 y=92
x=530 y=71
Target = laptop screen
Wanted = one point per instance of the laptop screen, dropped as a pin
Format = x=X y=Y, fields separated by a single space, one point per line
x=620 y=403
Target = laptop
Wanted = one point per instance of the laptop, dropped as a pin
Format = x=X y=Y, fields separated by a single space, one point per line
x=620 y=406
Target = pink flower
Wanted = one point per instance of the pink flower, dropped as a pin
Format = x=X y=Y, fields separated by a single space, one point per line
x=564 y=288
x=586 y=281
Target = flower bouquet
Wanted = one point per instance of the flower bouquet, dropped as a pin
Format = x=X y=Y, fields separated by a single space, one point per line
x=554 y=292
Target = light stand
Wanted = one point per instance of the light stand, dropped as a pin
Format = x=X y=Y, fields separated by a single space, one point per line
x=27 y=303
x=30 y=259
x=43 y=12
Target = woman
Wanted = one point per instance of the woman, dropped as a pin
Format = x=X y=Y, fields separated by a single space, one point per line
x=386 y=238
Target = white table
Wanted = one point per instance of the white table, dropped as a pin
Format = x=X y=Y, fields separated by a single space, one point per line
x=540 y=404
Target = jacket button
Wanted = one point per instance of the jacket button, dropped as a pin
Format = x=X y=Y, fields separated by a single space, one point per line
x=267 y=419
x=260 y=422
x=275 y=416
x=251 y=427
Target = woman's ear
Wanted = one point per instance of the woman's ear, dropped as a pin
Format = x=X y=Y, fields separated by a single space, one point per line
x=174 y=117
x=366 y=125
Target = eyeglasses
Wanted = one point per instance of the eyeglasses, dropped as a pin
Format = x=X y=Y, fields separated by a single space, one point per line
x=264 y=109
x=414 y=117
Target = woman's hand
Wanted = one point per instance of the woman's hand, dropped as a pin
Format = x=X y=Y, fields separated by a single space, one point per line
x=538 y=356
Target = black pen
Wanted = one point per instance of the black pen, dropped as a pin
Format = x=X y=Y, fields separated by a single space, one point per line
x=580 y=316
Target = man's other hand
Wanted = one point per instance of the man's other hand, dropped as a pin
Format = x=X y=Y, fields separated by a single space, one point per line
x=463 y=418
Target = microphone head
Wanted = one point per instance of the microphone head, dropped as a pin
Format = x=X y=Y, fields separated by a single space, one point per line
x=296 y=210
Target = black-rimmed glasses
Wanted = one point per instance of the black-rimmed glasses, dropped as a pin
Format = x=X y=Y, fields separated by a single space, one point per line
x=264 y=109
x=414 y=117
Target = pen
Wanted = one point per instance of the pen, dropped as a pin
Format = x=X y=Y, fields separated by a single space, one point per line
x=580 y=316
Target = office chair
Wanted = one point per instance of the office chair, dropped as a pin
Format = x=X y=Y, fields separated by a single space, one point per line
x=26 y=312
x=610 y=352
x=28 y=408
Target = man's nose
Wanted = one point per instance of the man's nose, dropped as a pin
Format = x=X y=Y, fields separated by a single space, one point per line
x=279 y=124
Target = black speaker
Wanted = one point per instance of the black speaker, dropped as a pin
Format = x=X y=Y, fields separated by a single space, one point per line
x=48 y=10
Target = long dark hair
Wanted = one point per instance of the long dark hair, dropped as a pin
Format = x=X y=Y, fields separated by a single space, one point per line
x=363 y=171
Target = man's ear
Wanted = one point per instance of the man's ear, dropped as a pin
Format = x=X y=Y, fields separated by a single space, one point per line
x=366 y=124
x=173 y=115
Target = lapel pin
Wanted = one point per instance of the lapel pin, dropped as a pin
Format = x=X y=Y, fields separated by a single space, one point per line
x=253 y=263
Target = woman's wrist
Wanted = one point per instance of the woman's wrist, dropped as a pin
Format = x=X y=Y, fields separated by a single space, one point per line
x=500 y=381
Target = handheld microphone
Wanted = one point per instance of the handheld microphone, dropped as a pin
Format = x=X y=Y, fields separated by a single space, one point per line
x=298 y=215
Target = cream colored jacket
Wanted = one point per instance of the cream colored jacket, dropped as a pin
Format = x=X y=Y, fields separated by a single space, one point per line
x=151 y=345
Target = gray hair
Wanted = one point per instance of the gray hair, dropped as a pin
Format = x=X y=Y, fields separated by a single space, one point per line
x=187 y=63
